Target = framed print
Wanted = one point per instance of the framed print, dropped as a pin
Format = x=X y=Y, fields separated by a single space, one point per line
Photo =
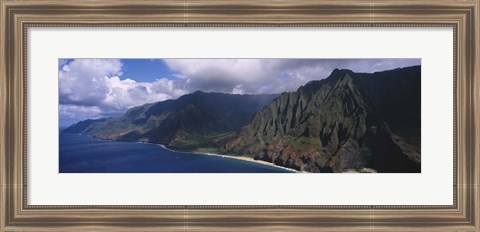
x=233 y=115
x=239 y=116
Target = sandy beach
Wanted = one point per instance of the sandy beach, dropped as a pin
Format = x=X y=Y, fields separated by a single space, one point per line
x=244 y=158
x=249 y=159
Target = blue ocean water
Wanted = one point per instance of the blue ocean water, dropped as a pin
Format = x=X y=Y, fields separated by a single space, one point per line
x=83 y=154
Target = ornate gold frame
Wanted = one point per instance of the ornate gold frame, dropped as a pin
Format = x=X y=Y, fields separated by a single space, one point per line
x=17 y=16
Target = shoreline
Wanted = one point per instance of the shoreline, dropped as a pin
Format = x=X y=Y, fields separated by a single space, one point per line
x=244 y=158
x=250 y=159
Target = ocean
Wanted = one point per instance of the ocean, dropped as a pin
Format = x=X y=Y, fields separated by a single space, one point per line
x=83 y=154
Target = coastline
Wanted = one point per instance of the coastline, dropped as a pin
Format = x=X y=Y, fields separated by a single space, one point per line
x=244 y=158
x=250 y=159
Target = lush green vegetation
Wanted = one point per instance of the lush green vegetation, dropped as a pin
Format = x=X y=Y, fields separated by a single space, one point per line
x=353 y=122
x=348 y=121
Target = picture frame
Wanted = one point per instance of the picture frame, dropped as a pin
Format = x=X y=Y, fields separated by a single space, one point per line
x=18 y=16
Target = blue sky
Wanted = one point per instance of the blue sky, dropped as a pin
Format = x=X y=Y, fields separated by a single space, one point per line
x=95 y=88
x=146 y=70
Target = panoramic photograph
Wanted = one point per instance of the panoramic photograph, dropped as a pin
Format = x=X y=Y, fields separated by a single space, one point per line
x=239 y=115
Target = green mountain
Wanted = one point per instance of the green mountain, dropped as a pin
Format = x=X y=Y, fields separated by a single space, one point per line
x=347 y=122
x=192 y=122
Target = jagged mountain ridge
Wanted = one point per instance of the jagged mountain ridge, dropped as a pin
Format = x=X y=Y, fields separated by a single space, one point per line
x=345 y=122
x=348 y=121
x=191 y=121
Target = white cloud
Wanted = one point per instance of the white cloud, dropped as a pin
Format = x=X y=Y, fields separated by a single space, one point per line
x=95 y=87
x=70 y=114
x=269 y=75
x=222 y=75
x=238 y=89
x=92 y=87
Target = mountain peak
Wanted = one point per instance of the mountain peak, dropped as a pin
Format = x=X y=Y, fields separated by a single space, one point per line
x=345 y=121
x=198 y=92
x=337 y=71
x=192 y=120
x=336 y=75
